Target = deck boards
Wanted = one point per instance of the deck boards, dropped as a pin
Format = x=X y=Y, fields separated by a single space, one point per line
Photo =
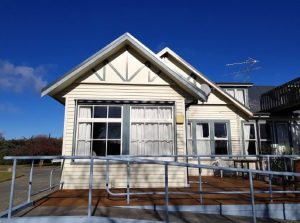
x=100 y=197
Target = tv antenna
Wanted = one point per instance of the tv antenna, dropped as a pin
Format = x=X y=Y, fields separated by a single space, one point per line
x=243 y=69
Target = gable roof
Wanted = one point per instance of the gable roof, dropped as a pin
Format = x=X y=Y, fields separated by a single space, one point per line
x=205 y=79
x=124 y=40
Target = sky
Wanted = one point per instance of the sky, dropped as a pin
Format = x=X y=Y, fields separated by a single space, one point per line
x=42 y=40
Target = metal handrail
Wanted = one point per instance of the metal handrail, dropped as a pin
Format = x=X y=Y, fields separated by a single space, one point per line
x=129 y=160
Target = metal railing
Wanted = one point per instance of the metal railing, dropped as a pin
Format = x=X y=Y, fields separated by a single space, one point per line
x=130 y=160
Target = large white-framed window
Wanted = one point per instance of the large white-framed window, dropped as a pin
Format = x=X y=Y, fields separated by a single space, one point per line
x=250 y=138
x=151 y=130
x=99 y=130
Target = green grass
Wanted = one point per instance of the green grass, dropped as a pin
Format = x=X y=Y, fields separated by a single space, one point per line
x=5 y=176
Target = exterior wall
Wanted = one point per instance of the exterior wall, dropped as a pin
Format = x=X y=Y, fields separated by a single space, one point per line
x=124 y=84
x=217 y=107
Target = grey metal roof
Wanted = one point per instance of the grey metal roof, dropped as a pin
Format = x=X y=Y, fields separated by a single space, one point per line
x=254 y=93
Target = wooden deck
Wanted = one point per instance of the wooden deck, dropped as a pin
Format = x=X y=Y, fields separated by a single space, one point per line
x=68 y=198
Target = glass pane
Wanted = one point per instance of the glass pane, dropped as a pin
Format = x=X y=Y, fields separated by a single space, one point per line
x=189 y=130
x=137 y=113
x=220 y=130
x=250 y=147
x=85 y=112
x=84 y=131
x=100 y=112
x=202 y=130
x=151 y=112
x=99 y=148
x=165 y=131
x=113 y=147
x=221 y=147
x=230 y=91
x=240 y=96
x=83 y=148
x=249 y=131
x=265 y=131
x=190 y=146
x=266 y=147
x=99 y=131
x=151 y=131
x=165 y=113
x=114 y=131
x=114 y=112
x=203 y=147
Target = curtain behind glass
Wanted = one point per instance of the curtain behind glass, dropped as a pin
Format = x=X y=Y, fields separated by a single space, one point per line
x=246 y=136
x=240 y=96
x=203 y=142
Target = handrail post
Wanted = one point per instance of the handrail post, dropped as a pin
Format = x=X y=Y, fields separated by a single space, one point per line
x=12 y=189
x=90 y=187
x=166 y=193
x=30 y=181
x=252 y=197
x=200 y=182
x=270 y=179
x=128 y=182
x=50 y=180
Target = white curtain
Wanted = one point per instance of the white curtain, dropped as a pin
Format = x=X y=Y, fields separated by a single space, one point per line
x=165 y=113
x=149 y=137
x=85 y=112
x=84 y=139
x=137 y=139
x=240 y=96
x=189 y=139
x=84 y=132
x=151 y=113
x=165 y=139
x=247 y=128
x=203 y=143
x=137 y=113
x=231 y=92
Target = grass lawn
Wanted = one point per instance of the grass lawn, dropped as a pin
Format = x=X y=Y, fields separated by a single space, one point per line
x=5 y=176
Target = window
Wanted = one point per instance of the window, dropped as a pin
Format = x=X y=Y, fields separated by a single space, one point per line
x=99 y=130
x=250 y=139
x=189 y=138
x=221 y=138
x=265 y=140
x=210 y=137
x=203 y=139
x=152 y=130
x=238 y=94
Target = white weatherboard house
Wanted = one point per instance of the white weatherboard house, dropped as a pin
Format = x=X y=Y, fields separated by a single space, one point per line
x=127 y=100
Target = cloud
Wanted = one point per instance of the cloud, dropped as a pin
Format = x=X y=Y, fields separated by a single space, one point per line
x=19 y=77
x=8 y=107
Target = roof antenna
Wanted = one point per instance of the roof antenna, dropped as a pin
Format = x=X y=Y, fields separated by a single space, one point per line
x=242 y=70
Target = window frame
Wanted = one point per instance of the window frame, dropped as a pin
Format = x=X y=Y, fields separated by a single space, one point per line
x=151 y=121
x=93 y=120
x=260 y=139
x=257 y=152
x=212 y=139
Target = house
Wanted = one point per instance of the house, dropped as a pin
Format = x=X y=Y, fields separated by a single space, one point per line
x=127 y=100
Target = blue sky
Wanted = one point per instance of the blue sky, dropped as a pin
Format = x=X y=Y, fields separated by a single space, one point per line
x=41 y=40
